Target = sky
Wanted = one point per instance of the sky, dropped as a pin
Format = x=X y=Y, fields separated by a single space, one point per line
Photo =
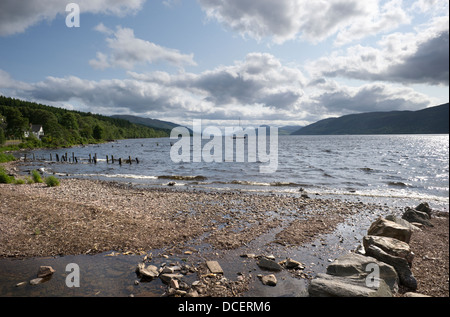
x=275 y=62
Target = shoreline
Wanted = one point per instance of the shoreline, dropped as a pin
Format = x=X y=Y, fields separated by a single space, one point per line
x=93 y=217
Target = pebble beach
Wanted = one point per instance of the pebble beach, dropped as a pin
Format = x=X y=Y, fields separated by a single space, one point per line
x=91 y=217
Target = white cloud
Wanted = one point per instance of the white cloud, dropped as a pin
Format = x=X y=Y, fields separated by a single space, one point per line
x=430 y=6
x=259 y=87
x=335 y=99
x=17 y=16
x=378 y=19
x=415 y=57
x=314 y=21
x=260 y=79
x=127 y=51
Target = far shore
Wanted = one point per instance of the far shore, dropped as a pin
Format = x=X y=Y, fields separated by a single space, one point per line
x=91 y=217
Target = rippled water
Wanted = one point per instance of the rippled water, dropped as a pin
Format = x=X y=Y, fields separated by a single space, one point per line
x=405 y=169
x=385 y=166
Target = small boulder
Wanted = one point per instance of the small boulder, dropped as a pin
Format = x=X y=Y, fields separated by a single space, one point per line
x=416 y=216
x=391 y=246
x=269 y=280
x=424 y=207
x=403 y=222
x=401 y=266
x=292 y=264
x=171 y=269
x=149 y=272
x=167 y=278
x=45 y=271
x=386 y=228
x=270 y=265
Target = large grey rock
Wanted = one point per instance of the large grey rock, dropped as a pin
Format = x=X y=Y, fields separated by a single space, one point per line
x=360 y=266
x=386 y=228
x=391 y=246
x=335 y=286
x=412 y=215
x=401 y=266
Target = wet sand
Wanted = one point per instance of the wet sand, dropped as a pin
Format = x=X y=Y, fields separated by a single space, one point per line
x=93 y=217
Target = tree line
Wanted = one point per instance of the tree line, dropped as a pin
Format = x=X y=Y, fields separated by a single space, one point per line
x=62 y=127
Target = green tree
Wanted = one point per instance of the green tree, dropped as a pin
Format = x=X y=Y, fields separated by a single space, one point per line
x=2 y=136
x=16 y=123
x=98 y=132
x=69 y=121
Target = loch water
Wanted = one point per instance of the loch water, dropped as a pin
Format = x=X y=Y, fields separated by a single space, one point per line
x=379 y=167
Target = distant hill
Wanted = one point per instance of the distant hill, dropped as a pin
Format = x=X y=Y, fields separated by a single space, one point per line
x=434 y=120
x=152 y=123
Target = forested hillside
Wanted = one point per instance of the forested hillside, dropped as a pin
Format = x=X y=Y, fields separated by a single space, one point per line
x=64 y=127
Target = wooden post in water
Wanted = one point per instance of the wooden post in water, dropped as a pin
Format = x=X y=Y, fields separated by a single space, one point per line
x=120 y=161
x=137 y=161
x=51 y=159
x=112 y=159
x=90 y=159
x=107 y=159
x=129 y=158
x=24 y=157
x=57 y=157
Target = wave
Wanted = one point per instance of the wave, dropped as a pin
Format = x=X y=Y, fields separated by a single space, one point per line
x=130 y=176
x=184 y=178
x=272 y=184
x=399 y=184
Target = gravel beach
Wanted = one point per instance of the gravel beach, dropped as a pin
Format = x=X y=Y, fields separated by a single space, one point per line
x=87 y=216
x=90 y=217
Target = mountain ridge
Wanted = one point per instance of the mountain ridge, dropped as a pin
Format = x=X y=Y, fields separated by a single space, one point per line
x=433 y=120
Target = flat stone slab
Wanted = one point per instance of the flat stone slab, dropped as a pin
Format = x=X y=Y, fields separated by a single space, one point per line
x=214 y=267
x=334 y=286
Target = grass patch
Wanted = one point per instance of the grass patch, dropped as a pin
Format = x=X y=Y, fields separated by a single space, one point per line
x=36 y=176
x=52 y=181
x=5 y=178
x=6 y=157
x=19 y=181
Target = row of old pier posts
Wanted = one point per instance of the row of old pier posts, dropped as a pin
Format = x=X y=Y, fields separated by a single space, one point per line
x=92 y=159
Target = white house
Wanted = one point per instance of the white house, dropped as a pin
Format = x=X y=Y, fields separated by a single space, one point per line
x=35 y=129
